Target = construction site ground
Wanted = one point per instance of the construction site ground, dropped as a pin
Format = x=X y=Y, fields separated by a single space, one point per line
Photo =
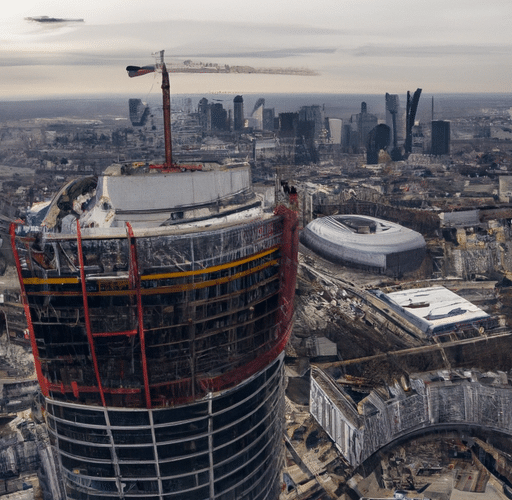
x=374 y=348
x=334 y=302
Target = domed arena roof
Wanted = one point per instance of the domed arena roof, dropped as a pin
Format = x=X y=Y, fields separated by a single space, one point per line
x=365 y=242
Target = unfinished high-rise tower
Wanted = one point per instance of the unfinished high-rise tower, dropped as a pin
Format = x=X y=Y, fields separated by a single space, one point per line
x=159 y=302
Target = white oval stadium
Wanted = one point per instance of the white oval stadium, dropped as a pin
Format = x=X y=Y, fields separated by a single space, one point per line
x=365 y=242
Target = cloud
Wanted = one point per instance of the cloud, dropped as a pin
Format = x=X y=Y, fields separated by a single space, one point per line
x=254 y=53
x=34 y=58
x=286 y=30
x=383 y=51
x=221 y=28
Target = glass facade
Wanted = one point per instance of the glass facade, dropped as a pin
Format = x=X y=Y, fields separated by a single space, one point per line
x=226 y=446
x=160 y=355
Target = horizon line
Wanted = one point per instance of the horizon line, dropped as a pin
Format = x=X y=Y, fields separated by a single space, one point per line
x=288 y=93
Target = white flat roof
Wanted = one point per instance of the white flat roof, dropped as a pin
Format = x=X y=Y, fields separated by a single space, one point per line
x=437 y=307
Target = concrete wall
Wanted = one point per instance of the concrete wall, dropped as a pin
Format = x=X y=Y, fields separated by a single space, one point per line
x=153 y=192
x=360 y=430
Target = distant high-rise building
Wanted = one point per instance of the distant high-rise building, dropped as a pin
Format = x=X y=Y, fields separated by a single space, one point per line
x=212 y=116
x=410 y=117
x=219 y=116
x=315 y=116
x=288 y=123
x=139 y=112
x=440 y=137
x=238 y=113
x=393 y=117
x=310 y=128
x=378 y=139
x=350 y=136
x=335 y=127
x=363 y=123
x=203 y=110
x=187 y=105
x=418 y=139
x=268 y=118
x=256 y=119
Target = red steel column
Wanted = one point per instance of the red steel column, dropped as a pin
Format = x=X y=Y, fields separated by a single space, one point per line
x=86 y=312
x=135 y=283
x=288 y=270
x=43 y=382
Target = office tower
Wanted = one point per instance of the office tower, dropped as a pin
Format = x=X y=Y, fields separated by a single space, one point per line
x=288 y=123
x=311 y=119
x=238 y=113
x=205 y=115
x=212 y=116
x=378 y=139
x=219 y=116
x=440 y=137
x=256 y=119
x=335 y=130
x=268 y=119
x=410 y=117
x=393 y=118
x=187 y=105
x=363 y=122
x=139 y=112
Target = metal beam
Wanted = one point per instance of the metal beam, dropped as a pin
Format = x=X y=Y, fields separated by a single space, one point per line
x=134 y=279
x=87 y=319
x=43 y=382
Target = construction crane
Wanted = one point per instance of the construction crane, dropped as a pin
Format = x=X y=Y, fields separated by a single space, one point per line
x=160 y=67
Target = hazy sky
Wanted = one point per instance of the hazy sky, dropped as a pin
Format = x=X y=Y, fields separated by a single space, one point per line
x=356 y=46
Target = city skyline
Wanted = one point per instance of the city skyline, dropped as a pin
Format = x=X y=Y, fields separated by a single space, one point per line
x=355 y=47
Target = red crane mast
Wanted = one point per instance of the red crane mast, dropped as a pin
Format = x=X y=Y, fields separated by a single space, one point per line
x=160 y=66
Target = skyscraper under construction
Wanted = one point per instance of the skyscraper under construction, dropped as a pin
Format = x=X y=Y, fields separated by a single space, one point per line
x=159 y=342
x=159 y=302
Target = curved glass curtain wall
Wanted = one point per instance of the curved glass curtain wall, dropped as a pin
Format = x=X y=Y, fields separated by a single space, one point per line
x=223 y=447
